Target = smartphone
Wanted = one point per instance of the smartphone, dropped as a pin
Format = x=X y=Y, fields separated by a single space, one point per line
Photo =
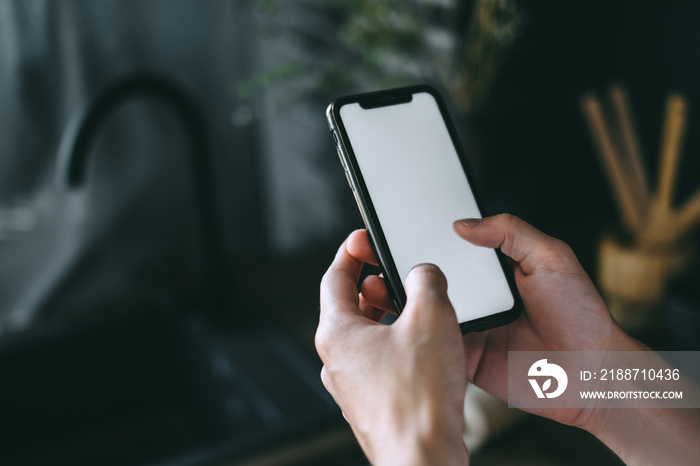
x=409 y=174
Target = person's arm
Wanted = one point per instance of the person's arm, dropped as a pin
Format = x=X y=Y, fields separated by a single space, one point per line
x=563 y=312
x=400 y=387
x=650 y=436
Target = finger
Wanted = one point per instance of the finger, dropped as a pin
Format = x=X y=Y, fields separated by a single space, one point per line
x=370 y=311
x=517 y=239
x=426 y=283
x=487 y=361
x=374 y=291
x=426 y=297
x=360 y=247
x=339 y=299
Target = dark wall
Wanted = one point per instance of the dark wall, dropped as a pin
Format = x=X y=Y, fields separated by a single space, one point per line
x=533 y=124
x=132 y=226
x=280 y=189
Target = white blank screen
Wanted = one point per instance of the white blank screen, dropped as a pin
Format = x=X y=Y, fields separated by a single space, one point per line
x=418 y=188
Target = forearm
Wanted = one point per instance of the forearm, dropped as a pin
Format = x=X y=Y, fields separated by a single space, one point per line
x=424 y=443
x=422 y=452
x=650 y=436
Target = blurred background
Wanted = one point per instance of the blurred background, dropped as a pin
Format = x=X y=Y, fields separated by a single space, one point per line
x=170 y=198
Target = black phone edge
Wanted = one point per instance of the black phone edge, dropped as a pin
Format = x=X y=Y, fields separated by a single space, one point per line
x=379 y=243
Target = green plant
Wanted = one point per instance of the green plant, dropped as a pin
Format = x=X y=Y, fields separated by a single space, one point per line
x=372 y=44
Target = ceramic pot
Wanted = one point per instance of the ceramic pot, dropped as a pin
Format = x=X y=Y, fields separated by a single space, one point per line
x=633 y=279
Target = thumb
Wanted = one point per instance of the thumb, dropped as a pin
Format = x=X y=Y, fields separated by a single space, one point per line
x=517 y=239
x=426 y=296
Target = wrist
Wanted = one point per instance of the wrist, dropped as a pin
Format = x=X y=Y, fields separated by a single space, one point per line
x=423 y=451
x=596 y=419
x=430 y=443
x=624 y=342
x=649 y=436
x=628 y=431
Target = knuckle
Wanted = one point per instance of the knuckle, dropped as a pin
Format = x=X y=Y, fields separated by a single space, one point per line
x=509 y=219
x=512 y=227
x=554 y=251
x=326 y=378
x=324 y=280
x=561 y=247
x=558 y=249
x=322 y=342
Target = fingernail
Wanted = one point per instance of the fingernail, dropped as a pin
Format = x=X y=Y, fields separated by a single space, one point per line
x=470 y=222
x=426 y=264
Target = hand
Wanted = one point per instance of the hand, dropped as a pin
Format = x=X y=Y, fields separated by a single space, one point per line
x=401 y=387
x=563 y=312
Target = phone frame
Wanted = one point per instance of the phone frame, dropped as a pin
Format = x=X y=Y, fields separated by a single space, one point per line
x=369 y=216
